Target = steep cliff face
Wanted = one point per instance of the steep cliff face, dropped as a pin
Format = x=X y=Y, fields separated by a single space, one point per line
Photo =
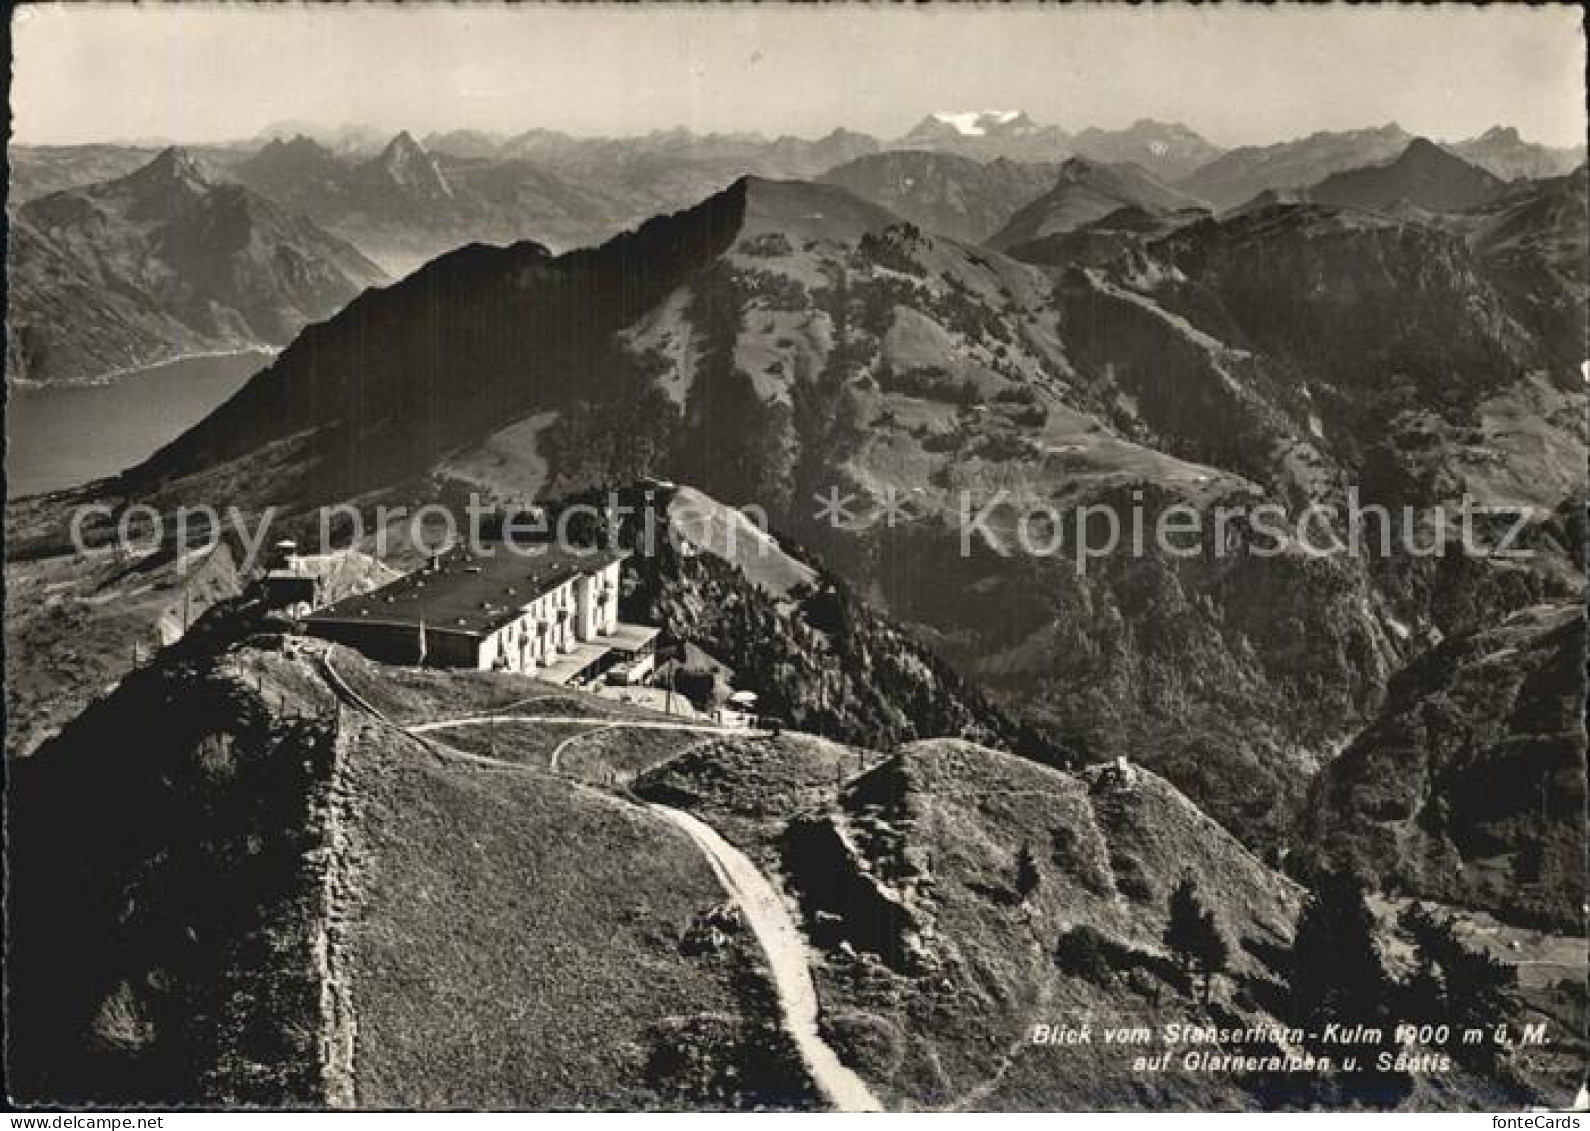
x=1291 y=279
x=1422 y=375
x=1534 y=240
x=818 y=657
x=1185 y=663
x=1314 y=351
x=407 y=171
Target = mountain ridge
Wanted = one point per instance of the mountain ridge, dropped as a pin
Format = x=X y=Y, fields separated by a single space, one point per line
x=1424 y=174
x=1086 y=191
x=1242 y=173
x=1502 y=152
x=1168 y=150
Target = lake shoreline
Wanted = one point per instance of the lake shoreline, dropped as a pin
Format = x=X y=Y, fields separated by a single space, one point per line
x=63 y=436
x=117 y=376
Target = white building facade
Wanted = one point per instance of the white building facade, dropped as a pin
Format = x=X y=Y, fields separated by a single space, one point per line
x=580 y=610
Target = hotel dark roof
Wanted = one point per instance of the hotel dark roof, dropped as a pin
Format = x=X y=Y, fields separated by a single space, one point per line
x=470 y=594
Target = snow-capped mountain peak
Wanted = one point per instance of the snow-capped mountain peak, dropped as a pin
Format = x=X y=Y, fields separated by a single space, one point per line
x=980 y=123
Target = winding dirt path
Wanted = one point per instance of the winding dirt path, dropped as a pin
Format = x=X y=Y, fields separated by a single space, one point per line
x=785 y=948
x=595 y=720
x=557 y=751
x=761 y=904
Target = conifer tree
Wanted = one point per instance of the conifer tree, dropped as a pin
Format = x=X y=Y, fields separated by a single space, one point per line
x=1027 y=875
x=1194 y=936
x=1336 y=971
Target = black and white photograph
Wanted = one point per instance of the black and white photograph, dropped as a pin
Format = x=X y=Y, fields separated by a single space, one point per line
x=795 y=558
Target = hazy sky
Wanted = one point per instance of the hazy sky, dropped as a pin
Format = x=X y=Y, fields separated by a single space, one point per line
x=1238 y=75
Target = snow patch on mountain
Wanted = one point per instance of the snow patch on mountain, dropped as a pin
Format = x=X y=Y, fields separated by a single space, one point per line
x=976 y=123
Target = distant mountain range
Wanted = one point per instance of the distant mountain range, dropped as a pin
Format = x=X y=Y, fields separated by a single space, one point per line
x=349 y=139
x=407 y=203
x=1241 y=174
x=399 y=203
x=985 y=135
x=1169 y=150
x=164 y=261
x=39 y=171
x=1501 y=152
x=403 y=200
x=994 y=176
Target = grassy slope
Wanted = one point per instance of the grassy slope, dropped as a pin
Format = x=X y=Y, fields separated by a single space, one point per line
x=515 y=938
x=522 y=940
x=504 y=937
x=519 y=943
x=943 y=1018
x=416 y=695
x=931 y=992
